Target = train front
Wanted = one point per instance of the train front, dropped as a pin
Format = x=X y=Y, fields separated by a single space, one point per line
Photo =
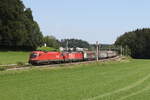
x=34 y=57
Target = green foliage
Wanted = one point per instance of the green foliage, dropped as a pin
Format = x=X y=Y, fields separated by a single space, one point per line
x=46 y=49
x=20 y=63
x=17 y=27
x=2 y=68
x=94 y=81
x=137 y=41
x=75 y=43
x=51 y=41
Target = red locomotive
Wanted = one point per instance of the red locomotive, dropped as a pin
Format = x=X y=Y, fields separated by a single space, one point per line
x=40 y=57
x=76 y=56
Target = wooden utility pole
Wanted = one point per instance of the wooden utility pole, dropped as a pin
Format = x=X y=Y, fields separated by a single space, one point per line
x=126 y=50
x=67 y=46
x=97 y=50
x=121 y=51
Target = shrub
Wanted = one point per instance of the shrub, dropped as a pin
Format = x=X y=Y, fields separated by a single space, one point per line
x=20 y=63
x=2 y=68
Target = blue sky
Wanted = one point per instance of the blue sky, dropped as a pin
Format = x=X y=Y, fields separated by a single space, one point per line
x=90 y=20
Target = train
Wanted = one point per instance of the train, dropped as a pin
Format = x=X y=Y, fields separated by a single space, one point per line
x=51 y=57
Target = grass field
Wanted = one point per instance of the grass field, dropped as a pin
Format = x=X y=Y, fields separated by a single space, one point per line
x=11 y=57
x=127 y=80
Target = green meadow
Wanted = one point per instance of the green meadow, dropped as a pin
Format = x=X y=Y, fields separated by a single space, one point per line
x=12 y=57
x=113 y=80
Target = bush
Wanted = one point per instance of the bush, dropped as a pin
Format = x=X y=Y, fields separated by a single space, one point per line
x=2 y=68
x=20 y=63
x=46 y=49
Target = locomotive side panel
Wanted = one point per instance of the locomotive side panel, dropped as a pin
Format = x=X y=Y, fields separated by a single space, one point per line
x=76 y=56
x=46 y=57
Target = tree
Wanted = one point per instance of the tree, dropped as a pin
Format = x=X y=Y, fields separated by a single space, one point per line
x=17 y=26
x=75 y=43
x=51 y=41
x=137 y=41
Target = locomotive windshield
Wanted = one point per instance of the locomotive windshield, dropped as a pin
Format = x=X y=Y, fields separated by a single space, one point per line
x=33 y=55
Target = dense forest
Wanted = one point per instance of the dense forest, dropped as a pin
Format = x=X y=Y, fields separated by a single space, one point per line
x=18 y=30
x=138 y=42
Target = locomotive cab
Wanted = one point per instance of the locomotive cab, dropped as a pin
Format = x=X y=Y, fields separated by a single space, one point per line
x=42 y=57
x=33 y=59
x=35 y=54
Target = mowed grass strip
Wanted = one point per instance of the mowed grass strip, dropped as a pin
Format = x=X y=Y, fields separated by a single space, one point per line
x=12 y=57
x=96 y=81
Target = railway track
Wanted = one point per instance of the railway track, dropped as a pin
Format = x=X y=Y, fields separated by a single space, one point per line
x=64 y=64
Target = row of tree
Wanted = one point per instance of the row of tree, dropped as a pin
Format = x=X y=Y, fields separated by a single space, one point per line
x=137 y=41
x=71 y=43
